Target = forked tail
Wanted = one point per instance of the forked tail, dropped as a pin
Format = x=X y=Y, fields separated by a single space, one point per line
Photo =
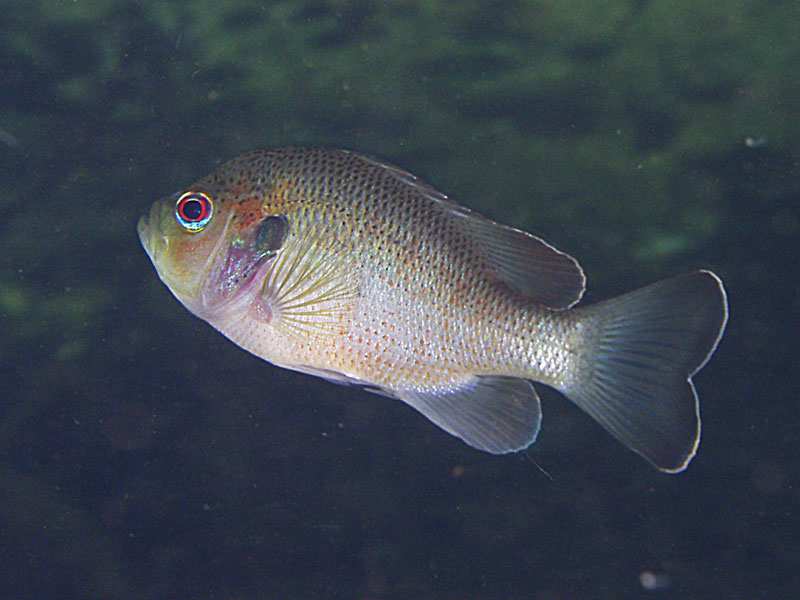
x=635 y=377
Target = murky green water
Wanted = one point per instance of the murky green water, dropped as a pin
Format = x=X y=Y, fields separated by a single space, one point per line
x=144 y=456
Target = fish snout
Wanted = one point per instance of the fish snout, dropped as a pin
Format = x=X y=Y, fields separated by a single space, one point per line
x=153 y=242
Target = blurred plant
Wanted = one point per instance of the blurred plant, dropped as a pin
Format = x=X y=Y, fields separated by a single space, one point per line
x=640 y=136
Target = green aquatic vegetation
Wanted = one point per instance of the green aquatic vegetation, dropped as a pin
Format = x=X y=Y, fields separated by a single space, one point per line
x=59 y=325
x=644 y=138
x=590 y=126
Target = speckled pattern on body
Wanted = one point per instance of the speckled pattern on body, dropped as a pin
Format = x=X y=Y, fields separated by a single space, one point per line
x=339 y=265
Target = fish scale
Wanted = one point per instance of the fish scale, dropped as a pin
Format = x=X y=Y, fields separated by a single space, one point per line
x=342 y=266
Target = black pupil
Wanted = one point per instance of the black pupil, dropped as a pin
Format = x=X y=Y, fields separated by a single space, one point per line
x=192 y=210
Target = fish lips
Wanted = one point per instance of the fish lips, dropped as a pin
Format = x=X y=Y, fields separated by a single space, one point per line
x=156 y=244
x=152 y=240
x=202 y=290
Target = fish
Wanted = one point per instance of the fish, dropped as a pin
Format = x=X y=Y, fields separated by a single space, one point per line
x=342 y=266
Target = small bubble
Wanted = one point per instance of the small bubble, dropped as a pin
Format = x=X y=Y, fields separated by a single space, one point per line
x=654 y=581
x=7 y=139
x=755 y=141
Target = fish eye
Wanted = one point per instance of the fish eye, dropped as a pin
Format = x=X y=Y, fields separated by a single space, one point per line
x=193 y=211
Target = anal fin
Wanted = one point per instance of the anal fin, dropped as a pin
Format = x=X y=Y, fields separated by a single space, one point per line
x=495 y=414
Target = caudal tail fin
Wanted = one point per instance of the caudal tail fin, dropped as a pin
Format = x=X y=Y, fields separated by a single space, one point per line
x=635 y=378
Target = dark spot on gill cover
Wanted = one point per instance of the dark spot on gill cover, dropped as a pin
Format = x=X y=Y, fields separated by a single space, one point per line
x=271 y=233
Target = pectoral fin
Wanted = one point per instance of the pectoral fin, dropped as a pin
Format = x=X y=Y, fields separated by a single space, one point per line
x=495 y=414
x=309 y=291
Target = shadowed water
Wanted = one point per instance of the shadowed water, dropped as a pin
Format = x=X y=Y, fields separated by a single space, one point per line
x=144 y=456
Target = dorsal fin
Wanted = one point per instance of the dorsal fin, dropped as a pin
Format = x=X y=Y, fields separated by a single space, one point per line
x=529 y=265
x=524 y=262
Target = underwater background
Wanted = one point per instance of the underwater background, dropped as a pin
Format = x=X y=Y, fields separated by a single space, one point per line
x=143 y=456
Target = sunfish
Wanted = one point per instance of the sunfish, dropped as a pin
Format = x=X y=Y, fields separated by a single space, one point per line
x=339 y=265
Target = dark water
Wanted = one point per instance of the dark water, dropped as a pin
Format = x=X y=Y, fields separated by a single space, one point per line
x=143 y=456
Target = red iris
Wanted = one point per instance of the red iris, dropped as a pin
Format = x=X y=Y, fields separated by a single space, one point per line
x=193 y=211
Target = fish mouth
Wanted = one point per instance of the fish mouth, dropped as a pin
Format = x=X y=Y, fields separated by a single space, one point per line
x=152 y=241
x=143 y=230
x=203 y=289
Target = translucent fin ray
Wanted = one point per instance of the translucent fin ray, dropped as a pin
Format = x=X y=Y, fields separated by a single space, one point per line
x=636 y=377
x=311 y=294
x=530 y=265
x=495 y=414
x=527 y=264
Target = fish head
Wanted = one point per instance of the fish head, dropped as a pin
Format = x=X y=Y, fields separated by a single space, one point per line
x=211 y=241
